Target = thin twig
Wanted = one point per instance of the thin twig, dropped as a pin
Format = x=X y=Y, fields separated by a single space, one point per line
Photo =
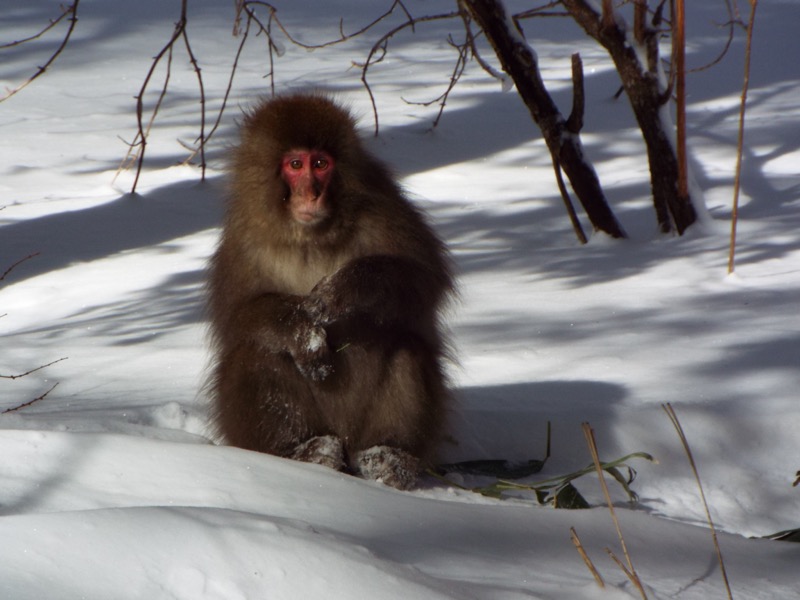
x=542 y=11
x=201 y=139
x=65 y=10
x=630 y=571
x=21 y=375
x=343 y=37
x=266 y=29
x=571 y=212
x=458 y=71
x=140 y=142
x=234 y=68
x=243 y=8
x=73 y=20
x=237 y=20
x=573 y=126
x=733 y=20
x=26 y=404
x=472 y=37
x=249 y=7
x=16 y=264
x=740 y=141
x=676 y=423
x=378 y=51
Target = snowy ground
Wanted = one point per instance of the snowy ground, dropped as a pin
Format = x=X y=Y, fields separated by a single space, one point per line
x=110 y=488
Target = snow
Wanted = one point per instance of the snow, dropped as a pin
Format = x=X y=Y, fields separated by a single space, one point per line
x=111 y=487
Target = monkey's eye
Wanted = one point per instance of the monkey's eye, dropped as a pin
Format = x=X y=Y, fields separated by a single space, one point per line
x=321 y=164
x=296 y=164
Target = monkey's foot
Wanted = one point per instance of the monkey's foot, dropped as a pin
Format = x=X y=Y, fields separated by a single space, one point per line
x=392 y=466
x=326 y=450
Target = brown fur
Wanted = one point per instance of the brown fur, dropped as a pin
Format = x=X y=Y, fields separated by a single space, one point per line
x=331 y=329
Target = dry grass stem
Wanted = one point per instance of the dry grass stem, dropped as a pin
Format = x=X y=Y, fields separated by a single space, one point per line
x=676 y=423
x=630 y=571
x=620 y=564
x=573 y=535
x=740 y=141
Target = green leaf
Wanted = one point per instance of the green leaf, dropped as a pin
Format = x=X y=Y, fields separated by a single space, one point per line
x=624 y=481
x=557 y=491
x=570 y=498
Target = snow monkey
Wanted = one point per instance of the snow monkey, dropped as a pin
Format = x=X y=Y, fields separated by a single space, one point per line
x=325 y=297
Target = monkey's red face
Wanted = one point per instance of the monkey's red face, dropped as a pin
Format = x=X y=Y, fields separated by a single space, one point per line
x=308 y=174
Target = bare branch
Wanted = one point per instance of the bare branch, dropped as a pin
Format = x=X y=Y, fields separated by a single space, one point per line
x=575 y=120
x=379 y=48
x=734 y=19
x=245 y=10
x=73 y=20
x=16 y=264
x=639 y=14
x=489 y=69
x=458 y=71
x=679 y=71
x=562 y=188
x=249 y=7
x=237 y=20
x=343 y=37
x=201 y=139
x=65 y=10
x=26 y=404
x=542 y=11
x=234 y=68
x=138 y=147
x=21 y=375
x=519 y=60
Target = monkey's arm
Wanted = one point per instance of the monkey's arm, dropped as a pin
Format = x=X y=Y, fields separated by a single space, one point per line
x=387 y=289
x=280 y=323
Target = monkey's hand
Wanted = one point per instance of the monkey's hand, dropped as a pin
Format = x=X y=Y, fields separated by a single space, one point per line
x=328 y=301
x=384 y=288
x=310 y=351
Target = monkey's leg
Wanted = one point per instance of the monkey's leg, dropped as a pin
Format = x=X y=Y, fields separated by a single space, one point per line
x=396 y=409
x=326 y=450
x=392 y=466
x=263 y=403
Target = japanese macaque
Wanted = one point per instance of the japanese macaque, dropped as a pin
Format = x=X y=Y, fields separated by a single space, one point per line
x=325 y=297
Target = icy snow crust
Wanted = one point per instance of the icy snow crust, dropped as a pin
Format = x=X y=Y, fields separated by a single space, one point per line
x=110 y=485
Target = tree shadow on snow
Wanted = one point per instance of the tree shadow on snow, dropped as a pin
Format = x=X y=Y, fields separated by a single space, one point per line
x=130 y=222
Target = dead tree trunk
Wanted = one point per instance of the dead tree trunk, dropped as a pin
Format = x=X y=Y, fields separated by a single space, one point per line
x=519 y=61
x=648 y=98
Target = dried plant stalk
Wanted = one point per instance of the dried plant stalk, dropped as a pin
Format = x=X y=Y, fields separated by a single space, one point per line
x=573 y=535
x=676 y=423
x=740 y=142
x=630 y=571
